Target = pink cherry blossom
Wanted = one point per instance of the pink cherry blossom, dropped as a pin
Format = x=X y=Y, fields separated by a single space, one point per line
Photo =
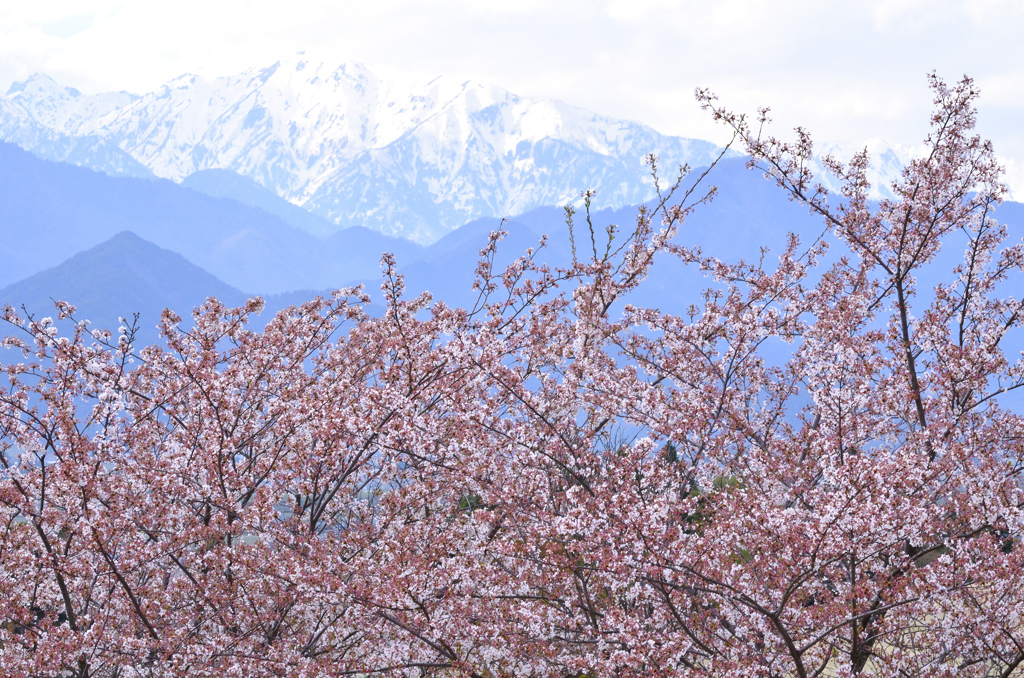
x=554 y=482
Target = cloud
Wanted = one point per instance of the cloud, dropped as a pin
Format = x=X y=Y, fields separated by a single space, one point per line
x=66 y=27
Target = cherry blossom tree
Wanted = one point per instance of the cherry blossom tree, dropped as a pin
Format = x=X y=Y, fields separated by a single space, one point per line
x=553 y=482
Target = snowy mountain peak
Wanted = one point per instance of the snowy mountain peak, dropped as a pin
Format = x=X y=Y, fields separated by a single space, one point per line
x=62 y=109
x=887 y=162
x=360 y=145
x=35 y=85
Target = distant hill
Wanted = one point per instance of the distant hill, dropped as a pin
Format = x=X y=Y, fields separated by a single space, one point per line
x=222 y=183
x=119 y=277
x=748 y=212
x=50 y=211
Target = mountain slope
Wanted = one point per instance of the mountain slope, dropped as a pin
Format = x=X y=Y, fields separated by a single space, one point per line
x=40 y=115
x=748 y=213
x=221 y=183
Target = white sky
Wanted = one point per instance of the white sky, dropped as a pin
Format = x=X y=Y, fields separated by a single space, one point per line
x=845 y=70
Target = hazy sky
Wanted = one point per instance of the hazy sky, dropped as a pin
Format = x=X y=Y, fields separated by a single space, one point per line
x=845 y=70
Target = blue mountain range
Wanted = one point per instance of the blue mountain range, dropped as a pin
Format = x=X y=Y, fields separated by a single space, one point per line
x=114 y=246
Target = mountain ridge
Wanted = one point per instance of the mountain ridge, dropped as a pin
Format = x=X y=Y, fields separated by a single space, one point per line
x=51 y=210
x=403 y=156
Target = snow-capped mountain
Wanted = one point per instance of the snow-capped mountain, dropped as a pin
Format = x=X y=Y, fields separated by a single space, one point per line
x=403 y=156
x=887 y=162
x=40 y=115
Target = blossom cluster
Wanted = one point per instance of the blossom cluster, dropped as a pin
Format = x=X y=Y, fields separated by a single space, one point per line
x=553 y=482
